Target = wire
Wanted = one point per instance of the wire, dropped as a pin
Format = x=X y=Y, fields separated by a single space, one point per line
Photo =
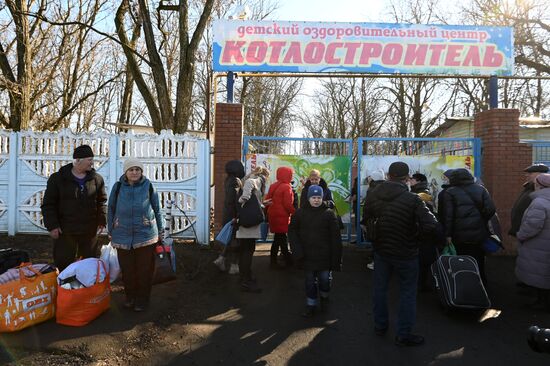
x=188 y=219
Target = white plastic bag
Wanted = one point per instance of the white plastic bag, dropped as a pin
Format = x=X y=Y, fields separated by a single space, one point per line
x=110 y=258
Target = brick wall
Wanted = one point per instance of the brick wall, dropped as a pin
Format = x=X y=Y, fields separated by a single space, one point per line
x=504 y=159
x=228 y=140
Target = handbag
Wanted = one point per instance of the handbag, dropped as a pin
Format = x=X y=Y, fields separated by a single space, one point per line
x=251 y=212
x=163 y=271
x=28 y=300
x=225 y=234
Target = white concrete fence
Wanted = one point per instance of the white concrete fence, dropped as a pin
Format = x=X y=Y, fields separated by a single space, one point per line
x=178 y=166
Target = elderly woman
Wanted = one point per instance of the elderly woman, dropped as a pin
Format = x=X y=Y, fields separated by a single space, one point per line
x=135 y=225
x=533 y=262
x=253 y=184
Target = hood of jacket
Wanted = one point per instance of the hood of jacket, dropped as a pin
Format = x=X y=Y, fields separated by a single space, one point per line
x=66 y=171
x=284 y=174
x=461 y=177
x=235 y=168
x=389 y=190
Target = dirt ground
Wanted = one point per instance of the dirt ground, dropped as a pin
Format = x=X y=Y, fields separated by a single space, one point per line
x=203 y=319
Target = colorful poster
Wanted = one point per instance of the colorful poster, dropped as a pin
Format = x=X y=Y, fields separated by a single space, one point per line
x=317 y=47
x=432 y=167
x=335 y=170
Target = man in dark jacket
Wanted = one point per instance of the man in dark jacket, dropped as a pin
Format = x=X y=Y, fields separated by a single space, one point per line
x=524 y=199
x=316 y=241
x=401 y=216
x=468 y=209
x=315 y=179
x=74 y=208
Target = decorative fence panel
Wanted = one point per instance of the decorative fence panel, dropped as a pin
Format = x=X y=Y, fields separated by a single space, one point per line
x=178 y=166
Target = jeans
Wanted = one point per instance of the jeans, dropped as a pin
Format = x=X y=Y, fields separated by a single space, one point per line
x=317 y=282
x=137 y=266
x=68 y=247
x=407 y=270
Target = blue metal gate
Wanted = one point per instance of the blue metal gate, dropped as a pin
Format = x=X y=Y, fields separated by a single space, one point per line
x=410 y=150
x=306 y=149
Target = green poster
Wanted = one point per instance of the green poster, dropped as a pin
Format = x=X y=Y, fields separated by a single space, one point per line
x=335 y=170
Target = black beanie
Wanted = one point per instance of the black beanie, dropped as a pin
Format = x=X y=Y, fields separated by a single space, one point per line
x=83 y=151
x=398 y=169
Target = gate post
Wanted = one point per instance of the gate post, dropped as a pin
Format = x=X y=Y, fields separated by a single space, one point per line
x=12 y=184
x=228 y=140
x=504 y=159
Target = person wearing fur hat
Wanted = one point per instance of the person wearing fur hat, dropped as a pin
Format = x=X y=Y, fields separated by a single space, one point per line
x=74 y=208
x=135 y=225
x=533 y=261
x=316 y=243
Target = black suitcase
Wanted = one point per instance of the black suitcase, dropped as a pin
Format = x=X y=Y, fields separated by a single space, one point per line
x=10 y=258
x=458 y=283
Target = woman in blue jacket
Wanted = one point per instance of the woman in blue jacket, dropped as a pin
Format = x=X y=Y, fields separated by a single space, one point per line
x=135 y=224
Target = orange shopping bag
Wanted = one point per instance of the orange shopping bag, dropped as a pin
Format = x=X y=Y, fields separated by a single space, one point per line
x=28 y=300
x=78 y=307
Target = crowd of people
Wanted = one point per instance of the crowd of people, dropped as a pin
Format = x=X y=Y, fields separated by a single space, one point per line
x=406 y=229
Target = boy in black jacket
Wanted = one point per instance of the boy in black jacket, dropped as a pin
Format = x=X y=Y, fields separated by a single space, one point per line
x=315 y=240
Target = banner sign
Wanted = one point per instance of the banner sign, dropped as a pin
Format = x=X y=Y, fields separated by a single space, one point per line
x=335 y=170
x=432 y=167
x=317 y=47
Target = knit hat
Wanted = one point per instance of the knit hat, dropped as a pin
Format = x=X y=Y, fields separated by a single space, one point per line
x=398 y=169
x=314 y=191
x=132 y=162
x=543 y=180
x=83 y=151
x=448 y=173
x=377 y=175
x=536 y=168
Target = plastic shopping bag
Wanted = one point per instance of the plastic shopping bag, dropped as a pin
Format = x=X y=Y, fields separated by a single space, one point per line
x=225 y=234
x=449 y=249
x=28 y=300
x=78 y=307
x=110 y=258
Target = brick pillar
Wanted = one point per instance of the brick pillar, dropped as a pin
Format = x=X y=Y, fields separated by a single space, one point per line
x=228 y=141
x=504 y=159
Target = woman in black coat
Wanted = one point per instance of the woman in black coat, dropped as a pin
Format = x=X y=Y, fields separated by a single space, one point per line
x=235 y=172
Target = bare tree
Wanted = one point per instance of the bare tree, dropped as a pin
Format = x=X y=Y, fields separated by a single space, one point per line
x=159 y=102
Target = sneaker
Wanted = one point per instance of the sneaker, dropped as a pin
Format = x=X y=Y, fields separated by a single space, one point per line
x=220 y=263
x=411 y=340
x=233 y=269
x=309 y=312
x=371 y=266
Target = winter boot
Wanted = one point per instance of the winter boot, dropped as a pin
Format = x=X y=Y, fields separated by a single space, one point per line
x=309 y=311
x=220 y=263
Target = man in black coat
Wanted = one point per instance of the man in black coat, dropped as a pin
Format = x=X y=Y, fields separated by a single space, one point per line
x=74 y=208
x=400 y=217
x=524 y=199
x=468 y=209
